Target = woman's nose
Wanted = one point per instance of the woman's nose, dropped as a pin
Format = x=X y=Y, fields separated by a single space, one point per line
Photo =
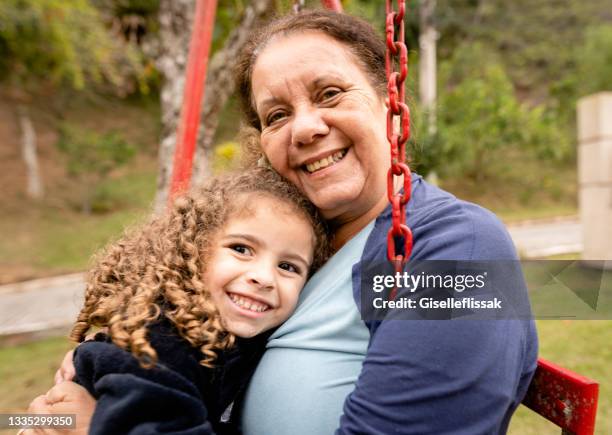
x=308 y=125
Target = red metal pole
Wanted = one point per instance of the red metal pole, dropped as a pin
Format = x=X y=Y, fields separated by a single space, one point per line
x=334 y=5
x=187 y=131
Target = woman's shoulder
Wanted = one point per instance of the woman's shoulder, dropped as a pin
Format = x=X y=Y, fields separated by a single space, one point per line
x=447 y=228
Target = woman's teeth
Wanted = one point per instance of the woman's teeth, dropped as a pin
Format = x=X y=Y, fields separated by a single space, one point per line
x=327 y=161
x=248 y=303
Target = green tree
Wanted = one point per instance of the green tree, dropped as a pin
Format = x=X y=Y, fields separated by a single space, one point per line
x=91 y=156
x=480 y=117
x=63 y=42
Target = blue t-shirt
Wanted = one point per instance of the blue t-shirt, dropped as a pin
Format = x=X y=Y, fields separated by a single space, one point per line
x=314 y=357
x=420 y=376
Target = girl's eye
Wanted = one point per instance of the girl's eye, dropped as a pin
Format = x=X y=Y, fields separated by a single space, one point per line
x=241 y=249
x=329 y=93
x=289 y=267
x=275 y=116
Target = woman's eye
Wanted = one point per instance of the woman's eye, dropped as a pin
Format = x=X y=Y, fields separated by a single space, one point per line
x=289 y=267
x=329 y=93
x=275 y=116
x=241 y=249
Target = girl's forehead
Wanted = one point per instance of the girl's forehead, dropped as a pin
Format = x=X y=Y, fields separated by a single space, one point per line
x=247 y=206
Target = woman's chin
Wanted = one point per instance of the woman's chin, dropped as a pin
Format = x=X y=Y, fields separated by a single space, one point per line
x=333 y=201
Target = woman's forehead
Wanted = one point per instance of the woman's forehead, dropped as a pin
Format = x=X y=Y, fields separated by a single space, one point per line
x=309 y=58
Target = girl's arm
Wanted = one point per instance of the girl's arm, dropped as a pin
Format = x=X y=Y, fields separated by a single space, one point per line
x=131 y=399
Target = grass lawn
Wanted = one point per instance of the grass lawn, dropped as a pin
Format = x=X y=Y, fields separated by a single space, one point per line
x=27 y=370
x=50 y=240
x=582 y=346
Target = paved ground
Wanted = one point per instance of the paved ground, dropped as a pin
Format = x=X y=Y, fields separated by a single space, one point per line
x=53 y=303
x=543 y=239
x=40 y=304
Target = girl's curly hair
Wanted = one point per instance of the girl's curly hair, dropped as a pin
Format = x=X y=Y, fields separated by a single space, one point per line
x=157 y=269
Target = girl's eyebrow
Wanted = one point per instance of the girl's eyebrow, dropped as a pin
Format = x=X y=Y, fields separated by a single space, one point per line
x=248 y=237
x=298 y=258
x=289 y=255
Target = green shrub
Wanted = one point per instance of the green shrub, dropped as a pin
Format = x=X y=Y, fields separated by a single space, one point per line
x=480 y=120
x=90 y=157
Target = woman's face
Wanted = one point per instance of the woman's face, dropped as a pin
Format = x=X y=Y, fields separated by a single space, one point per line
x=323 y=124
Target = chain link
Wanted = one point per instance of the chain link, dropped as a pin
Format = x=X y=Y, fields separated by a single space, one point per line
x=397 y=109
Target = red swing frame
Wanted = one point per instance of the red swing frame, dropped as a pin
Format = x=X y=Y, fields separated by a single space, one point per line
x=559 y=395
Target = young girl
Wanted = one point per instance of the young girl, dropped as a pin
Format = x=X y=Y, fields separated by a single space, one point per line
x=189 y=300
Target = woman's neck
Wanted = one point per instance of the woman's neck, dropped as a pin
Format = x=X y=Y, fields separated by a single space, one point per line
x=345 y=231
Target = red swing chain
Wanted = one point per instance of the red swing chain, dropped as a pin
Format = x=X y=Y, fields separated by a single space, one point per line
x=397 y=52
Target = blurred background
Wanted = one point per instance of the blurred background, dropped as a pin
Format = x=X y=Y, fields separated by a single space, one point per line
x=90 y=93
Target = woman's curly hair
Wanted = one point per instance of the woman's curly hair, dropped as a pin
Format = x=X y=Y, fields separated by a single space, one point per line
x=157 y=270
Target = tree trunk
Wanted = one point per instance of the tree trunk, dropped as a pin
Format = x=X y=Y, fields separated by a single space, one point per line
x=220 y=85
x=427 y=62
x=28 y=147
x=175 y=17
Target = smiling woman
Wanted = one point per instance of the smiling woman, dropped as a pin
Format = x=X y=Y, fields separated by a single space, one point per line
x=315 y=111
x=313 y=85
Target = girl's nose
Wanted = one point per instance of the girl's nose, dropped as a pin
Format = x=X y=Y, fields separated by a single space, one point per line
x=261 y=276
x=308 y=125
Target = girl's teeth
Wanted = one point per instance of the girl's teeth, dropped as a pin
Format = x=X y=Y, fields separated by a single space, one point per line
x=248 y=305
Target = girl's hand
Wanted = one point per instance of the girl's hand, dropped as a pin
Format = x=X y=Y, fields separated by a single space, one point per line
x=64 y=398
x=66 y=371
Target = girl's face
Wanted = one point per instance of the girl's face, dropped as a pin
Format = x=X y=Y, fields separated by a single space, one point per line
x=259 y=263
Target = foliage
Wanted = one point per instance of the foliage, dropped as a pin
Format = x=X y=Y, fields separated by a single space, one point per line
x=593 y=72
x=91 y=156
x=63 y=42
x=479 y=116
x=535 y=39
x=594 y=61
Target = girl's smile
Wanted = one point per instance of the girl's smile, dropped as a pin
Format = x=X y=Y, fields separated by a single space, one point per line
x=260 y=261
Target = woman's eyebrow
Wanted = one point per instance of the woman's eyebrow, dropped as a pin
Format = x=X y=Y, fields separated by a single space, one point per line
x=266 y=103
x=325 y=79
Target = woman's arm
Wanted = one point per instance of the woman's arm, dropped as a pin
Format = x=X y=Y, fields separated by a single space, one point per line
x=439 y=376
x=445 y=376
x=64 y=398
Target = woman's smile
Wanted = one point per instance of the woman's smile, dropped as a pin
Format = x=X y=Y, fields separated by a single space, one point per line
x=323 y=123
x=318 y=164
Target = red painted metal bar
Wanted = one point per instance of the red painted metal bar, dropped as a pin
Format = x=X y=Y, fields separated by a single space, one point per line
x=334 y=5
x=563 y=397
x=187 y=131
